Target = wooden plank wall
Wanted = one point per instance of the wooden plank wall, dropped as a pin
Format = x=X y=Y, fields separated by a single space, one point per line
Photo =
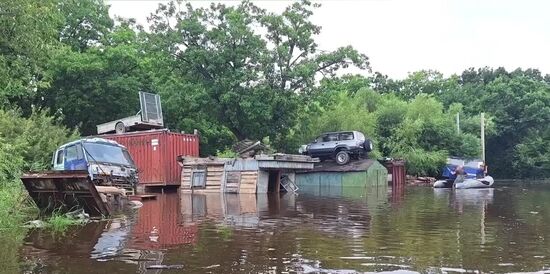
x=249 y=180
x=186 y=177
x=214 y=178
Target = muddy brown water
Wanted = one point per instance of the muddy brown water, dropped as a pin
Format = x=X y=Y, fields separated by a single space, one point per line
x=421 y=230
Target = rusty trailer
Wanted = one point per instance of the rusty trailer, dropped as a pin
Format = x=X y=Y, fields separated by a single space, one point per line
x=65 y=191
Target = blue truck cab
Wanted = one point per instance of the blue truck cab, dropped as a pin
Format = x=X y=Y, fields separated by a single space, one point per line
x=107 y=162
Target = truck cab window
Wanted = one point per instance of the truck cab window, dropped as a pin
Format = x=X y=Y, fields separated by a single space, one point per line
x=79 y=152
x=74 y=153
x=71 y=153
x=59 y=158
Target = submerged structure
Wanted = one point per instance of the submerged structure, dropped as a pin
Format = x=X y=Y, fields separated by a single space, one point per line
x=329 y=178
x=260 y=174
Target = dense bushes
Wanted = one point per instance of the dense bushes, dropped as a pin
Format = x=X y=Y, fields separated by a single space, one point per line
x=25 y=144
x=421 y=130
x=28 y=143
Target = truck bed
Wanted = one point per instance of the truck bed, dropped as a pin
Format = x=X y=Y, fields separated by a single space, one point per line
x=65 y=191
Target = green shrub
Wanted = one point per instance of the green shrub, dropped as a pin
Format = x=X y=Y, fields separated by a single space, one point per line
x=25 y=144
x=34 y=138
x=227 y=153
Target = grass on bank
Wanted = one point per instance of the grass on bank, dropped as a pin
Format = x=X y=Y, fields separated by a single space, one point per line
x=59 y=222
x=16 y=208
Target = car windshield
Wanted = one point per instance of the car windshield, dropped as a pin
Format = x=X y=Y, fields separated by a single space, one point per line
x=105 y=153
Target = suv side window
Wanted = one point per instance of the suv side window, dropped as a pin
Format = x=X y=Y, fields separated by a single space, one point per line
x=330 y=137
x=345 y=136
x=320 y=139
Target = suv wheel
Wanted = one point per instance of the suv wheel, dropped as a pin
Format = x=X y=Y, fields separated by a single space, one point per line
x=368 y=146
x=342 y=157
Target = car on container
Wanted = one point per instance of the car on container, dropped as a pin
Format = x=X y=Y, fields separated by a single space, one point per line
x=340 y=146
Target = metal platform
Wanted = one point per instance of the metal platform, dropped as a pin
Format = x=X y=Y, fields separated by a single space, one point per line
x=65 y=191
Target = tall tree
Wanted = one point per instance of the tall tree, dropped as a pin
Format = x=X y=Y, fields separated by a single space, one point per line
x=98 y=85
x=27 y=38
x=251 y=68
x=85 y=23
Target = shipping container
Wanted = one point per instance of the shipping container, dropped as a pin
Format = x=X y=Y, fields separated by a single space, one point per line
x=155 y=153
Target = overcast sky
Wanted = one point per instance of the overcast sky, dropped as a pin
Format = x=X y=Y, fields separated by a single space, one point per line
x=402 y=36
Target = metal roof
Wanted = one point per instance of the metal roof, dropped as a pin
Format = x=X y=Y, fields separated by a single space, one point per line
x=92 y=140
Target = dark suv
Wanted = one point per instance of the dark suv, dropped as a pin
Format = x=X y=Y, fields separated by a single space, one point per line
x=340 y=146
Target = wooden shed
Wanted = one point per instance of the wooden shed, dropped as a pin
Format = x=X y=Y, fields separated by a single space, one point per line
x=260 y=174
x=206 y=173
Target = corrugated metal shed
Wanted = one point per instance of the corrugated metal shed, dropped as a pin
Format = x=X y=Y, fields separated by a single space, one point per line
x=331 y=178
x=155 y=153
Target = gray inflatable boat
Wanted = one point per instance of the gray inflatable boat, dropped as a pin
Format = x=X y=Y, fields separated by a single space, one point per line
x=484 y=182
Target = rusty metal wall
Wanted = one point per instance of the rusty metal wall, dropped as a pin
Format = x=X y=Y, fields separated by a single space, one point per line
x=398 y=172
x=155 y=153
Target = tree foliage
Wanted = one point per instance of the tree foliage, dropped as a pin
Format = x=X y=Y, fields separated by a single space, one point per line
x=28 y=143
x=517 y=104
x=98 y=85
x=28 y=32
x=250 y=68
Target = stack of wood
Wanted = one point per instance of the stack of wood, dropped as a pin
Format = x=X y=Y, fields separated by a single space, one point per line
x=420 y=181
x=247 y=148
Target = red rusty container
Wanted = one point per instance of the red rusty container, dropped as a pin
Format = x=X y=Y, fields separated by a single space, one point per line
x=155 y=153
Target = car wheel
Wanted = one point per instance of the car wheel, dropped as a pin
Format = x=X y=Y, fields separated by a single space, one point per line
x=342 y=157
x=368 y=146
x=120 y=127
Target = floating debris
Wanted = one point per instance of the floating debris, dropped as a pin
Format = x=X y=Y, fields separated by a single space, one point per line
x=135 y=204
x=357 y=258
x=34 y=224
x=386 y=264
x=162 y=266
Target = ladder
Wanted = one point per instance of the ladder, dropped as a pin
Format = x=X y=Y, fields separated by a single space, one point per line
x=288 y=184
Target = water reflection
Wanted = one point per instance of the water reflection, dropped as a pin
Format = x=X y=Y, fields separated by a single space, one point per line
x=362 y=229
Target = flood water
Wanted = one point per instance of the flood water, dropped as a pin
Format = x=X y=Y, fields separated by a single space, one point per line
x=419 y=230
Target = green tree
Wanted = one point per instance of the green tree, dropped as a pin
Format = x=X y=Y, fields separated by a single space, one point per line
x=521 y=107
x=99 y=84
x=86 y=23
x=27 y=38
x=532 y=155
x=251 y=68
